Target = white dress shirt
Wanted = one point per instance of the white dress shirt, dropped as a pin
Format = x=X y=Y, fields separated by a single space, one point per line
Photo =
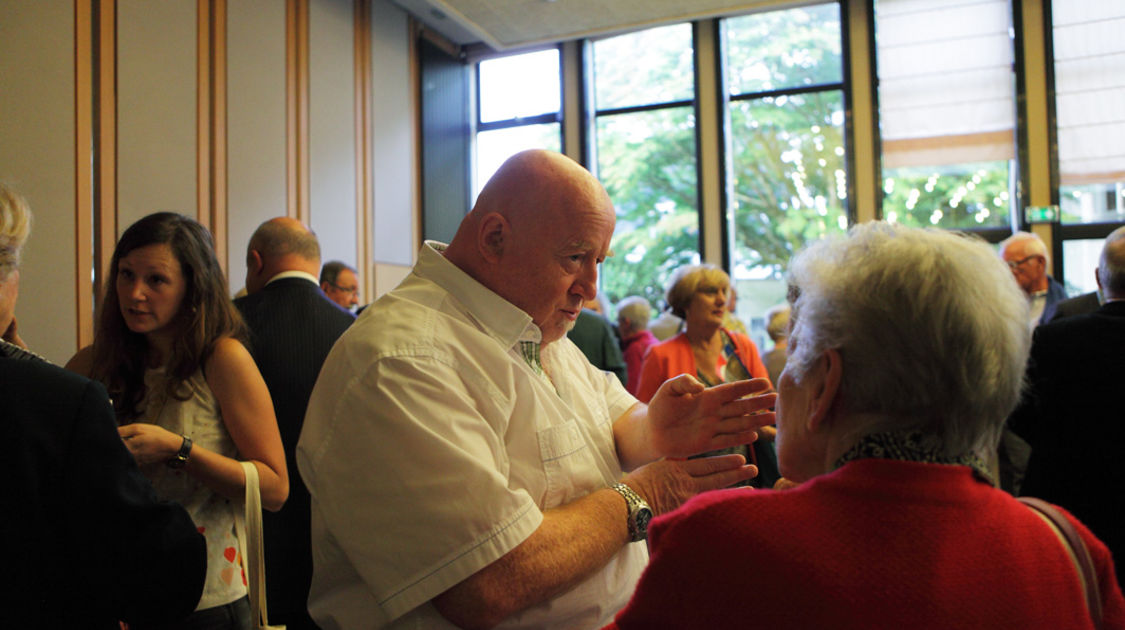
x=431 y=448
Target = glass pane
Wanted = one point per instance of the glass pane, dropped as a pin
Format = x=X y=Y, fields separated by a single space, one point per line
x=790 y=181
x=783 y=49
x=962 y=196
x=1089 y=64
x=646 y=161
x=1094 y=203
x=947 y=97
x=653 y=66
x=520 y=86
x=493 y=147
x=1080 y=259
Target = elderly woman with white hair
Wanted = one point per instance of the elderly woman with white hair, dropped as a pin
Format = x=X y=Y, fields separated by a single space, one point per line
x=633 y=314
x=906 y=354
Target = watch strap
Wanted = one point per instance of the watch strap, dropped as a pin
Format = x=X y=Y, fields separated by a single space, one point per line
x=181 y=457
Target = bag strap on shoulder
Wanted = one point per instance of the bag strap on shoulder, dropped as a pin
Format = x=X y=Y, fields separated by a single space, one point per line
x=1077 y=551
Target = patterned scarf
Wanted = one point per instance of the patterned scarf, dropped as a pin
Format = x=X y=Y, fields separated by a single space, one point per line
x=911 y=446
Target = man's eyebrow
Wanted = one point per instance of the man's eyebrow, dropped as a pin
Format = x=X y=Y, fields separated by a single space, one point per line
x=584 y=246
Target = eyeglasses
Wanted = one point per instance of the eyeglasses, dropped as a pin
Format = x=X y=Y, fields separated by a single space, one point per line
x=352 y=290
x=1012 y=264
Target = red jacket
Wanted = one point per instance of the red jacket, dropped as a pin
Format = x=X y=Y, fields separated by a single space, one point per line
x=874 y=544
x=674 y=357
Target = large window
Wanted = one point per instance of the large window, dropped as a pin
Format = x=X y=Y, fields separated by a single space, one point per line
x=784 y=76
x=646 y=156
x=519 y=108
x=1089 y=55
x=947 y=112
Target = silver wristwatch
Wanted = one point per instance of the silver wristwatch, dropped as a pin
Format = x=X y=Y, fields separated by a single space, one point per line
x=639 y=513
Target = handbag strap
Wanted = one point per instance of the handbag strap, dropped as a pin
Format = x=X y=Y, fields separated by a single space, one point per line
x=1077 y=551
x=249 y=529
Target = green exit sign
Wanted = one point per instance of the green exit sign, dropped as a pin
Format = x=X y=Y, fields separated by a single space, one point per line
x=1041 y=214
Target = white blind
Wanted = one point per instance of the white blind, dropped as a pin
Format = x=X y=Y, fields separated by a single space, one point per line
x=1089 y=48
x=946 y=87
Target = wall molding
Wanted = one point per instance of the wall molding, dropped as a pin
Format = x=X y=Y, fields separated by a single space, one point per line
x=365 y=157
x=83 y=174
x=211 y=110
x=297 y=108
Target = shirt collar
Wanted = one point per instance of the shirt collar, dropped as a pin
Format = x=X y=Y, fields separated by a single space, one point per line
x=501 y=319
x=293 y=273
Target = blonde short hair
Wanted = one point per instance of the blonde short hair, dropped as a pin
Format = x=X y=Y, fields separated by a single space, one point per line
x=15 y=226
x=689 y=280
x=777 y=322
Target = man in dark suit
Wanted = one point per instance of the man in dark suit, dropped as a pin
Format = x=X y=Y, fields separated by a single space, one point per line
x=292 y=328
x=85 y=541
x=1073 y=414
x=594 y=337
x=1078 y=305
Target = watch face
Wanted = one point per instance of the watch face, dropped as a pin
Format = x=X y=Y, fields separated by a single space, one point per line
x=644 y=515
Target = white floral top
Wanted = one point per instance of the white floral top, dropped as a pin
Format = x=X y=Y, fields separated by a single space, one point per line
x=199 y=418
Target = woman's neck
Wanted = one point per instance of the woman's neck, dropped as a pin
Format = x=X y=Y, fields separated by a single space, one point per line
x=703 y=336
x=159 y=349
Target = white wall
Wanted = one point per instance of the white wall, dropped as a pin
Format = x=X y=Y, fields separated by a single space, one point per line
x=332 y=152
x=156 y=130
x=256 y=185
x=37 y=148
x=157 y=138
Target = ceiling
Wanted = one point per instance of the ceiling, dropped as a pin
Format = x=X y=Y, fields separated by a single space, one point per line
x=505 y=24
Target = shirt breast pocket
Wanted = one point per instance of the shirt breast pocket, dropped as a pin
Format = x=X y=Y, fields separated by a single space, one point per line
x=566 y=461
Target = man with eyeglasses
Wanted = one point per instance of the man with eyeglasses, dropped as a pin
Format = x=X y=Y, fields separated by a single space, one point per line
x=1026 y=255
x=340 y=283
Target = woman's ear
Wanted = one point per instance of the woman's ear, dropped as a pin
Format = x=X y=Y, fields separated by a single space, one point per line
x=493 y=236
x=827 y=373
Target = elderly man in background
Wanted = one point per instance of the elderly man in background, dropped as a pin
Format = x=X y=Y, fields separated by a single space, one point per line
x=1027 y=258
x=777 y=327
x=340 y=282
x=633 y=314
x=1072 y=412
x=466 y=461
x=86 y=542
x=292 y=327
x=888 y=409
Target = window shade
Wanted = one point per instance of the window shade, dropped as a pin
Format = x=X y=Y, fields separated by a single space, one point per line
x=1089 y=54
x=946 y=88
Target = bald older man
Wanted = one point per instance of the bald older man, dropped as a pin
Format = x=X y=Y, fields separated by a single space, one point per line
x=1026 y=255
x=467 y=463
x=292 y=327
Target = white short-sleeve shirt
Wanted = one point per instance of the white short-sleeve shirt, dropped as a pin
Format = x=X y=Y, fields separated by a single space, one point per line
x=431 y=448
